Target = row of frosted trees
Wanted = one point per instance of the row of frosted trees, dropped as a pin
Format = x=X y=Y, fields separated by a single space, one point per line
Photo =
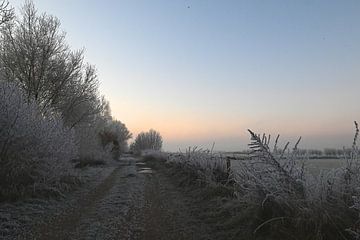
x=51 y=110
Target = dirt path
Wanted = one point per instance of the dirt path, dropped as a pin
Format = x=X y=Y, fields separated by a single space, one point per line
x=129 y=204
x=167 y=208
x=163 y=213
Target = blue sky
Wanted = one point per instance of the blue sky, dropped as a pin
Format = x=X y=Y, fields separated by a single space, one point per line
x=205 y=71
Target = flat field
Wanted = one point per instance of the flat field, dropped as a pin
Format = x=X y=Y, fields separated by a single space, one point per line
x=314 y=166
x=317 y=165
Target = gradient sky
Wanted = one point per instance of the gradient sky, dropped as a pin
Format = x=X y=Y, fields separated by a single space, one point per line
x=205 y=71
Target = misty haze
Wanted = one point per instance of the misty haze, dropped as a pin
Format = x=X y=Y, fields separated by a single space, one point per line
x=183 y=119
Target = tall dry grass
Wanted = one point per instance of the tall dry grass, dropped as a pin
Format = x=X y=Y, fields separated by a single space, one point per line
x=274 y=196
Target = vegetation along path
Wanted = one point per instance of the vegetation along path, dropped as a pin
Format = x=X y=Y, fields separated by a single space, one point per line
x=133 y=202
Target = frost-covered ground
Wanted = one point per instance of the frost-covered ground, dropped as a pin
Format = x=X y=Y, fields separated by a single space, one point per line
x=315 y=166
x=122 y=201
x=20 y=217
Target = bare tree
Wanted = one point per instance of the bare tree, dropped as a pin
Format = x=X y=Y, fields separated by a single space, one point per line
x=79 y=100
x=6 y=12
x=151 y=140
x=34 y=55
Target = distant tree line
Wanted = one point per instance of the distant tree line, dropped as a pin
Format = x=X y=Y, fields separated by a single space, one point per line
x=327 y=152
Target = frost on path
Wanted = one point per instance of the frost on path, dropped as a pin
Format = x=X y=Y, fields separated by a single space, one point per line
x=127 y=204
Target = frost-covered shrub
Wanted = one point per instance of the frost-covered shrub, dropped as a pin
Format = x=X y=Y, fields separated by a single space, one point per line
x=35 y=150
x=276 y=172
x=150 y=140
x=115 y=135
x=100 y=137
x=209 y=166
x=89 y=142
x=283 y=194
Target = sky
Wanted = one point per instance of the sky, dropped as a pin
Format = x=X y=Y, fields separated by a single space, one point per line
x=206 y=71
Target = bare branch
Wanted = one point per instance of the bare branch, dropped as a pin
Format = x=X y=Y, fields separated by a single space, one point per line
x=6 y=12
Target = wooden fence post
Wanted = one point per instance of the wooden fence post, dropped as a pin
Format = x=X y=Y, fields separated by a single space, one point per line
x=228 y=166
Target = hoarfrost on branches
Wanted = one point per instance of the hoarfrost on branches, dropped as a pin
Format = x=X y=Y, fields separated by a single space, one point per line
x=35 y=149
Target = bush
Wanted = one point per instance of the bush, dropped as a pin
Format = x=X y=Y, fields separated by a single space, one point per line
x=87 y=136
x=289 y=201
x=211 y=168
x=34 y=149
x=115 y=134
x=151 y=140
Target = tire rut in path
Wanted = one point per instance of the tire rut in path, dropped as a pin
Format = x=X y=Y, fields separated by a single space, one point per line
x=167 y=213
x=62 y=226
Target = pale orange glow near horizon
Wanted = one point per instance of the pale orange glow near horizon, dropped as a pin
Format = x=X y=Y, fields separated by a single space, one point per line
x=210 y=72
x=175 y=125
x=186 y=128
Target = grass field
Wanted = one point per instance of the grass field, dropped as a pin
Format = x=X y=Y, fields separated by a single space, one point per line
x=314 y=166
x=317 y=165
